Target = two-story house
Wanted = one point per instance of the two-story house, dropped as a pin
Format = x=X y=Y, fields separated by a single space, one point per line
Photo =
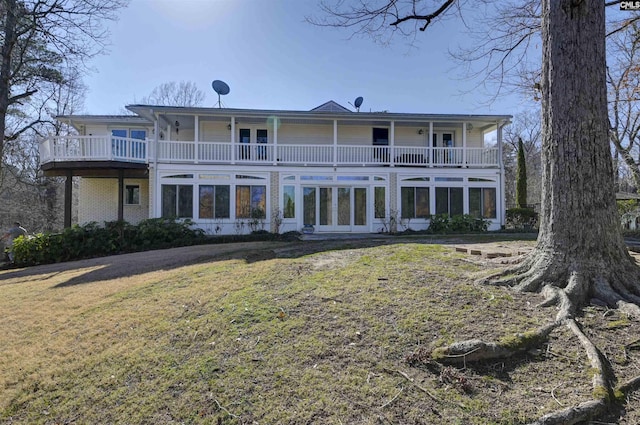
x=330 y=168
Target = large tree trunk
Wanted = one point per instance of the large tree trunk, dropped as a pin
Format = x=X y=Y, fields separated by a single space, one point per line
x=580 y=252
x=6 y=51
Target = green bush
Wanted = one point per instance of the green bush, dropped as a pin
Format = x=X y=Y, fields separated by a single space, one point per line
x=93 y=240
x=521 y=218
x=465 y=223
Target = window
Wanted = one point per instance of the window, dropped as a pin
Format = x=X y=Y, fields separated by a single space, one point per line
x=309 y=205
x=289 y=202
x=214 y=201
x=449 y=201
x=379 y=202
x=447 y=140
x=119 y=142
x=123 y=147
x=482 y=202
x=245 y=139
x=132 y=194
x=177 y=200
x=138 y=134
x=250 y=200
x=261 y=137
x=381 y=138
x=415 y=202
x=359 y=206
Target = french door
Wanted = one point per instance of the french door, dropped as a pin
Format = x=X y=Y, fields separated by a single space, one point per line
x=335 y=208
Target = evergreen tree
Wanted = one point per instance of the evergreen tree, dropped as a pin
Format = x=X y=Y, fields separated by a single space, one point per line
x=521 y=179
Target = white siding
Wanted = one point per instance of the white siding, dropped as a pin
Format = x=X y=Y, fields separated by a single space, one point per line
x=355 y=135
x=215 y=132
x=408 y=136
x=299 y=134
x=475 y=138
x=96 y=130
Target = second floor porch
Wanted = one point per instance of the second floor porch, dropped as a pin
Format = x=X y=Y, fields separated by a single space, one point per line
x=124 y=149
x=159 y=134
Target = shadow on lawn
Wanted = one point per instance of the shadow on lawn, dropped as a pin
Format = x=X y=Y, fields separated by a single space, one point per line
x=132 y=264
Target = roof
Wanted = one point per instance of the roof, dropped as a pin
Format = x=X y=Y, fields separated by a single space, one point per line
x=330 y=106
x=79 y=120
x=148 y=112
x=145 y=115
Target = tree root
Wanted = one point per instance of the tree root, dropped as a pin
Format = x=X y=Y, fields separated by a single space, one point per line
x=474 y=350
x=569 y=283
x=604 y=394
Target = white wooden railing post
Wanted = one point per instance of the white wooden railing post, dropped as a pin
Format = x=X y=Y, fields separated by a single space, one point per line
x=430 y=144
x=392 y=139
x=196 y=136
x=464 y=144
x=233 y=140
x=335 y=143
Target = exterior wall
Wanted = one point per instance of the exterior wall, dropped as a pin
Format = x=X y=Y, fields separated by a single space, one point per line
x=98 y=201
x=275 y=197
x=408 y=136
x=182 y=135
x=475 y=138
x=355 y=135
x=136 y=213
x=214 y=131
x=300 y=134
x=151 y=183
x=98 y=197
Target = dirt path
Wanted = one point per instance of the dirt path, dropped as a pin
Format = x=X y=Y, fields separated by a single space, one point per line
x=124 y=265
x=117 y=266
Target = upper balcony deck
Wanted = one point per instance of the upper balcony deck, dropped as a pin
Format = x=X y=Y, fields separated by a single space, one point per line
x=110 y=148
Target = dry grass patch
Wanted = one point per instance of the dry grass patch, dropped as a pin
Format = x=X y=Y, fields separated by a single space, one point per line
x=280 y=333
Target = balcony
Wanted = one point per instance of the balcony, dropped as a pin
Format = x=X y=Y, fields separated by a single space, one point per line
x=108 y=148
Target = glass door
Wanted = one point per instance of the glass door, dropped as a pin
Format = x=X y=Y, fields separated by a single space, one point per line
x=335 y=209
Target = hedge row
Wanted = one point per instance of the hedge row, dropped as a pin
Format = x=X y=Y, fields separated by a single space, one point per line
x=93 y=240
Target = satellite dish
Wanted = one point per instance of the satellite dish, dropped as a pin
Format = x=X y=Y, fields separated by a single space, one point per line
x=358 y=102
x=221 y=88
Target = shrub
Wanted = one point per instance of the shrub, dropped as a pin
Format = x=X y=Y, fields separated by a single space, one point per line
x=521 y=218
x=465 y=223
x=93 y=240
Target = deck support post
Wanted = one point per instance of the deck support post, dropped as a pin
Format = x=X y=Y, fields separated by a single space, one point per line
x=120 y=195
x=68 y=198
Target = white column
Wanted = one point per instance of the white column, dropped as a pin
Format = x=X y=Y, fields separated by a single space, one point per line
x=196 y=136
x=275 y=140
x=430 y=144
x=335 y=143
x=392 y=141
x=233 y=140
x=464 y=144
x=502 y=204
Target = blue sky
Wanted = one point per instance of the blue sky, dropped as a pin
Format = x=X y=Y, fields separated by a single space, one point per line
x=272 y=59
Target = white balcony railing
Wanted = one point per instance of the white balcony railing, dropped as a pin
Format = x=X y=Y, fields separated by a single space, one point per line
x=93 y=148
x=96 y=148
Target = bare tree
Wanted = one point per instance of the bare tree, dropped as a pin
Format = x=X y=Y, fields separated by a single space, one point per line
x=184 y=93
x=580 y=254
x=525 y=126
x=28 y=195
x=623 y=79
x=37 y=39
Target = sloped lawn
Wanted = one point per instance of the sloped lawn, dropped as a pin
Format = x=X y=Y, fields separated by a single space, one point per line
x=283 y=333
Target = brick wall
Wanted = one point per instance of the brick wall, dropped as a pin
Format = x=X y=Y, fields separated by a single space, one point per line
x=98 y=201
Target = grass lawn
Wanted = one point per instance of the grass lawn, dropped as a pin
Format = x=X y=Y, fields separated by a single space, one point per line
x=283 y=333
